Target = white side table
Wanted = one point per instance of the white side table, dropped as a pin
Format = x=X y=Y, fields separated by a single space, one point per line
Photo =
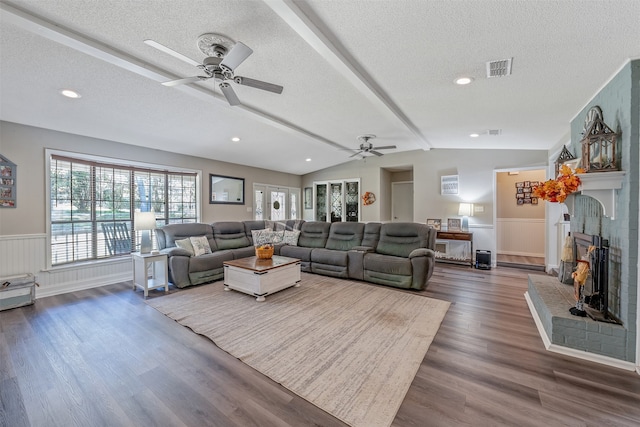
x=150 y=272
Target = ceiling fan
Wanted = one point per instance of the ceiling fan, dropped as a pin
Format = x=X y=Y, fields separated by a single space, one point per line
x=367 y=147
x=222 y=58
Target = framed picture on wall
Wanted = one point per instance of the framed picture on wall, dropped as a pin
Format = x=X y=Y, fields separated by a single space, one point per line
x=8 y=187
x=454 y=224
x=435 y=223
x=449 y=184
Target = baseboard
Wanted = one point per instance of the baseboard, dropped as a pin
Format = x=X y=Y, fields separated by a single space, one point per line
x=579 y=354
x=75 y=286
x=516 y=253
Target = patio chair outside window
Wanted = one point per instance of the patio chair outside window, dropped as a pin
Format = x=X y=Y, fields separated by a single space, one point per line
x=117 y=238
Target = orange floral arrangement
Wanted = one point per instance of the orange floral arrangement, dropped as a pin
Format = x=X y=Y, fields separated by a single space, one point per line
x=557 y=190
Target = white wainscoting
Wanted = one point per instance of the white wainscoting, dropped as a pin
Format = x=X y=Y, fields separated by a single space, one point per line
x=521 y=236
x=20 y=254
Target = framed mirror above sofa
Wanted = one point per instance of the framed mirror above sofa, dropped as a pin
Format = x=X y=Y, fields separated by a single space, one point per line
x=226 y=190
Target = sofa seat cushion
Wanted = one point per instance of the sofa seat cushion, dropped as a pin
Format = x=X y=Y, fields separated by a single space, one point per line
x=388 y=264
x=243 y=252
x=209 y=261
x=330 y=257
x=299 y=252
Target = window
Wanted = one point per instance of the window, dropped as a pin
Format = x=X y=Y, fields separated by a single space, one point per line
x=92 y=205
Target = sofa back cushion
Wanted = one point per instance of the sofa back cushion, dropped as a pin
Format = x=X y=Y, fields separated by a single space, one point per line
x=400 y=238
x=371 y=234
x=230 y=235
x=313 y=234
x=168 y=234
x=343 y=236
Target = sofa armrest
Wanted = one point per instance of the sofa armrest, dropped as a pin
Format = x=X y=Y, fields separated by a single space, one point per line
x=175 y=251
x=362 y=249
x=422 y=252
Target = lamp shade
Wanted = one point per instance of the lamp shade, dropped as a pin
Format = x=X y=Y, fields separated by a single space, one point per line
x=465 y=209
x=144 y=221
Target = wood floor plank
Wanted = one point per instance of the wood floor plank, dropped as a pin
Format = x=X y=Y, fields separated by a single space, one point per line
x=103 y=357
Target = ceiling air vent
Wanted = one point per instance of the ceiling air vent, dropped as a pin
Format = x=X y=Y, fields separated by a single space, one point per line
x=499 y=68
x=494 y=132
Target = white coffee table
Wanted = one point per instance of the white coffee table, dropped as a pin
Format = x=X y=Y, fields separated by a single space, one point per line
x=261 y=277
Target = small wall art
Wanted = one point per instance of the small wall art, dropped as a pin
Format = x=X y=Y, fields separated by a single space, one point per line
x=524 y=189
x=8 y=176
x=449 y=184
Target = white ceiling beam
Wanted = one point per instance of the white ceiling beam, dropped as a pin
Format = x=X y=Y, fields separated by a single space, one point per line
x=105 y=53
x=309 y=31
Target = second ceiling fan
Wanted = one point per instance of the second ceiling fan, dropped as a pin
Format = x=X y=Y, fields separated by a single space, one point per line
x=222 y=58
x=367 y=147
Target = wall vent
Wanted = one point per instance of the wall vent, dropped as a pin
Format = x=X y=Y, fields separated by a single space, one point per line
x=494 y=132
x=499 y=68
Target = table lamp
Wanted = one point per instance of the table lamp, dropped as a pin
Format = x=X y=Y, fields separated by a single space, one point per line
x=145 y=222
x=465 y=210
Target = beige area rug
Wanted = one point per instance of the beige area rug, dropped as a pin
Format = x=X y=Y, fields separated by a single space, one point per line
x=350 y=348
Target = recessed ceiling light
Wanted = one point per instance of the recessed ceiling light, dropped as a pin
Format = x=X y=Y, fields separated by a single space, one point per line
x=463 y=80
x=70 y=93
x=474 y=135
x=307 y=160
x=235 y=139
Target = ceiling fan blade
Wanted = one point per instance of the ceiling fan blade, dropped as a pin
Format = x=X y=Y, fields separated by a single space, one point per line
x=376 y=153
x=236 y=56
x=258 y=84
x=386 y=147
x=185 y=80
x=229 y=93
x=355 y=154
x=171 y=52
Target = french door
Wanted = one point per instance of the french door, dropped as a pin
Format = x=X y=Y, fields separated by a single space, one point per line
x=275 y=203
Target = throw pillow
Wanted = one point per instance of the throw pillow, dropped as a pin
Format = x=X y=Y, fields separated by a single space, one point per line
x=291 y=237
x=261 y=237
x=185 y=244
x=200 y=245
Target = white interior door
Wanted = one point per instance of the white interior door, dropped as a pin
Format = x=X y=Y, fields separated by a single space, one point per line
x=402 y=201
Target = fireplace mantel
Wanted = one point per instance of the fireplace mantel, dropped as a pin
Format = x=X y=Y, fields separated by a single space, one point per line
x=601 y=186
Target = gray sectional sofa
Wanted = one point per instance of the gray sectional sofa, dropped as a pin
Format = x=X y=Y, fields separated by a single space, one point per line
x=393 y=254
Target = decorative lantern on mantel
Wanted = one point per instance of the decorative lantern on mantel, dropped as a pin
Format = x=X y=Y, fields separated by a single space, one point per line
x=564 y=157
x=598 y=144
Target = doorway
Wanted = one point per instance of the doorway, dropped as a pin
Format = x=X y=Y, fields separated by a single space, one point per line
x=520 y=220
x=402 y=201
x=275 y=203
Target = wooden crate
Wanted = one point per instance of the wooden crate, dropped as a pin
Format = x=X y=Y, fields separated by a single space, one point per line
x=17 y=291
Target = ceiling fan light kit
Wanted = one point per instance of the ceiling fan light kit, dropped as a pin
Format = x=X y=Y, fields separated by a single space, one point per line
x=367 y=147
x=223 y=56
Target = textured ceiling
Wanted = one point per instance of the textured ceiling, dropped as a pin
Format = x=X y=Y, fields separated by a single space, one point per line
x=348 y=68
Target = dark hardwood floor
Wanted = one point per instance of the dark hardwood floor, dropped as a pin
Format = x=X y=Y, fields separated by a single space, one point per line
x=102 y=357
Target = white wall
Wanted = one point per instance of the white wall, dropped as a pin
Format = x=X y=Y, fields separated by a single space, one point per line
x=25 y=146
x=23 y=242
x=475 y=168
